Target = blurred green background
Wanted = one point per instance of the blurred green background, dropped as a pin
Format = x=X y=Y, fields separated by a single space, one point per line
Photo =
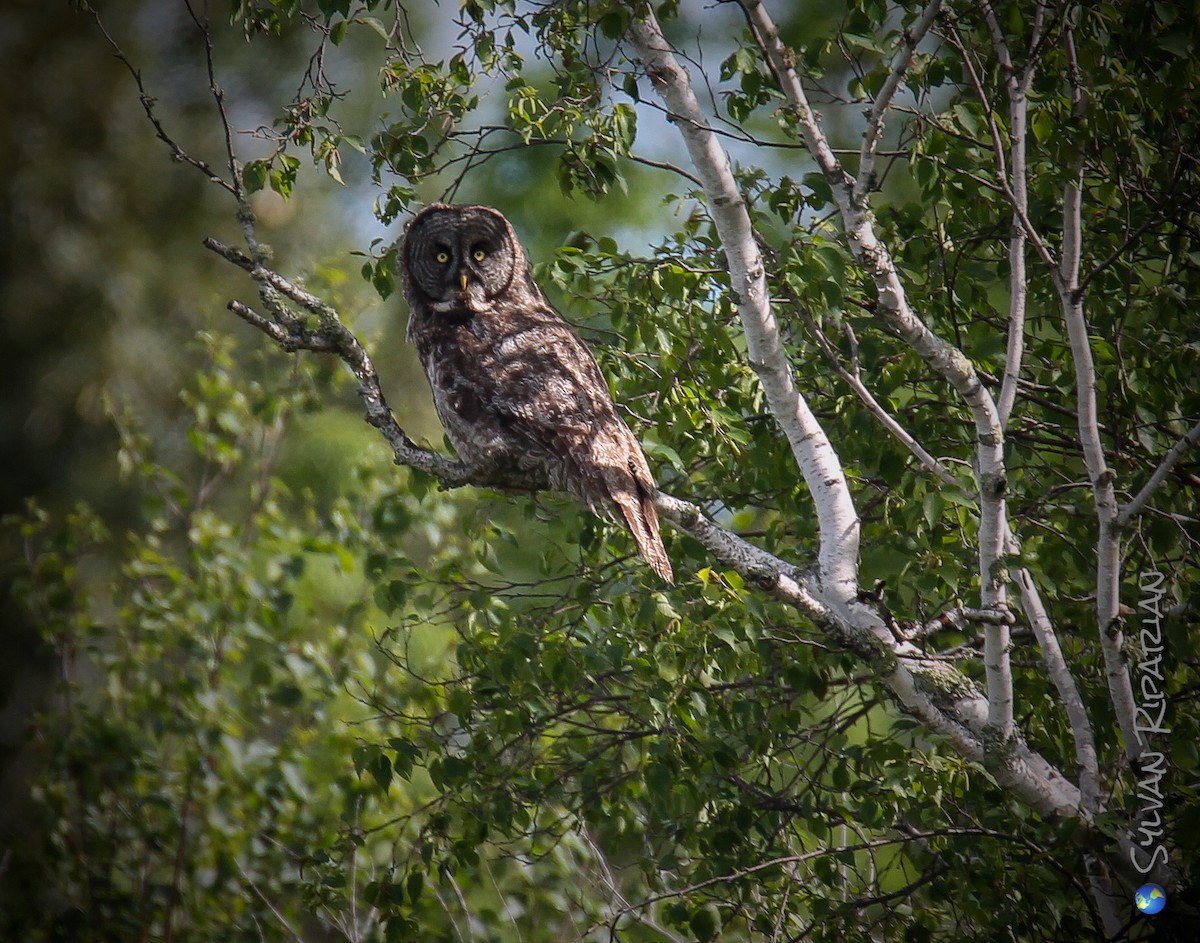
x=104 y=282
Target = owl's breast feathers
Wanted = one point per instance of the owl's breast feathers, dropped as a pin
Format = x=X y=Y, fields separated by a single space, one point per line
x=518 y=371
x=516 y=387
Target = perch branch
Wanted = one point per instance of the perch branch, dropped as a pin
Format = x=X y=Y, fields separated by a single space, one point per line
x=331 y=336
x=291 y=333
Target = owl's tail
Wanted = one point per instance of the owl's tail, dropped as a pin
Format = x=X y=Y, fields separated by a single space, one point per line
x=636 y=506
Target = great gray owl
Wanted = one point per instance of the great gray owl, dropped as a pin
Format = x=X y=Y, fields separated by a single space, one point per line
x=513 y=384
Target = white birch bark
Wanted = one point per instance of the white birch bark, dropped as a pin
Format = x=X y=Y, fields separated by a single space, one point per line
x=1108 y=541
x=1138 y=502
x=1015 y=183
x=944 y=358
x=819 y=464
x=1068 y=691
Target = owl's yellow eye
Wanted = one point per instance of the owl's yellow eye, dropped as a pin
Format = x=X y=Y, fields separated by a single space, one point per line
x=479 y=255
x=442 y=257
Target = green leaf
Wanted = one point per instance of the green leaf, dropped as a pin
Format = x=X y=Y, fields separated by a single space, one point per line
x=705 y=924
x=614 y=23
x=414 y=885
x=932 y=506
x=400 y=929
x=254 y=175
x=376 y=25
x=287 y=695
x=381 y=770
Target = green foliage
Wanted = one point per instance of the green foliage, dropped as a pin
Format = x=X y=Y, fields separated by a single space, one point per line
x=192 y=768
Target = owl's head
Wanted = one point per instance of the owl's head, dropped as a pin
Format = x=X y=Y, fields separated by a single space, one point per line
x=459 y=257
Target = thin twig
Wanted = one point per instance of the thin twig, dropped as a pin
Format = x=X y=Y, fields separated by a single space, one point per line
x=873 y=132
x=1139 y=501
x=886 y=419
x=245 y=214
x=148 y=105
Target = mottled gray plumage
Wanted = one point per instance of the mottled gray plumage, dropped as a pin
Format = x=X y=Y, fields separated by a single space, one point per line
x=514 y=385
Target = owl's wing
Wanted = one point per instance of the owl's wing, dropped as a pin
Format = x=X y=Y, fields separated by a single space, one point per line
x=548 y=384
x=552 y=395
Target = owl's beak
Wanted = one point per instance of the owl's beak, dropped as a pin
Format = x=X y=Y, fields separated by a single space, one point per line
x=462 y=280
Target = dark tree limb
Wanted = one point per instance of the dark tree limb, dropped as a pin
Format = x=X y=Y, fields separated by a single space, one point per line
x=292 y=333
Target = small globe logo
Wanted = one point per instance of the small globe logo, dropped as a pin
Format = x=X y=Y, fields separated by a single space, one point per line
x=1150 y=898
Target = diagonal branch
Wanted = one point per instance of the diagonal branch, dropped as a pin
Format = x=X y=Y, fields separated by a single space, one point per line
x=1138 y=503
x=889 y=422
x=873 y=132
x=290 y=332
x=1068 y=691
x=945 y=701
x=814 y=454
x=943 y=357
x=1019 y=202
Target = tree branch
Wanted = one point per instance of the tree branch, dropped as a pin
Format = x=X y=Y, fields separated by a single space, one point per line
x=237 y=187
x=838 y=520
x=944 y=358
x=1018 y=202
x=1068 y=691
x=1108 y=542
x=1137 y=504
x=873 y=131
x=1017 y=189
x=959 y=618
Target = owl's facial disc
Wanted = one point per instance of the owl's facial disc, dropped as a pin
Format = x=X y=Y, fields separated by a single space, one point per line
x=461 y=258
